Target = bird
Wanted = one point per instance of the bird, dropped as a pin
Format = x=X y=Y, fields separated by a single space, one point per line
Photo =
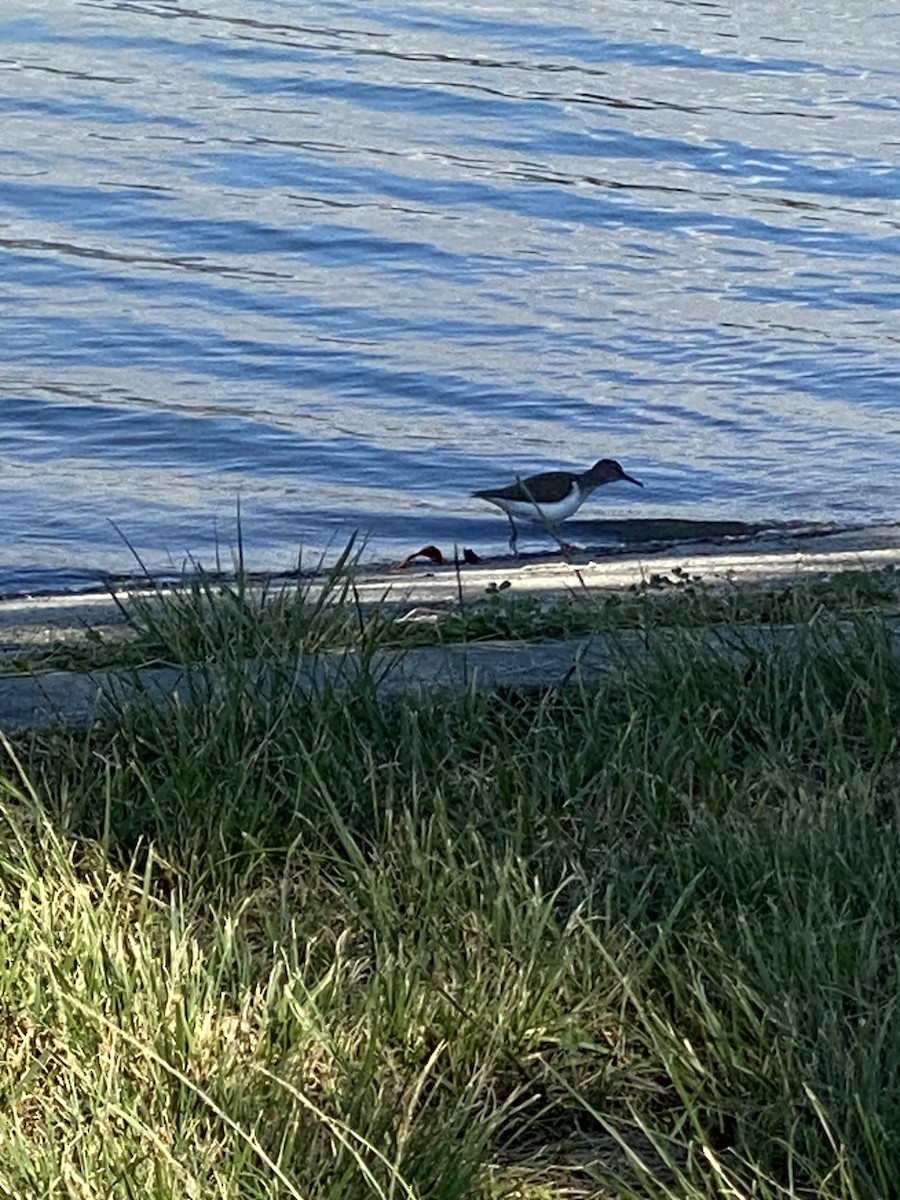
x=552 y=496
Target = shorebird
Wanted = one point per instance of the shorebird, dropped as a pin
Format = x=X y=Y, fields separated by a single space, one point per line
x=551 y=497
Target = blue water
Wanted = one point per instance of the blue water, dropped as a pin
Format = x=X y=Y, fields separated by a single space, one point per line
x=345 y=263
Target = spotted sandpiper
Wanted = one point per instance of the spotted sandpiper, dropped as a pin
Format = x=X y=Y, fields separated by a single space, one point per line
x=553 y=496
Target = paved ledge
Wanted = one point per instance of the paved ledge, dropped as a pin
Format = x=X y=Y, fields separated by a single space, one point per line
x=74 y=699
x=427 y=671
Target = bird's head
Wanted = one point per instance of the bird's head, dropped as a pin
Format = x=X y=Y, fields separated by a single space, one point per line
x=607 y=470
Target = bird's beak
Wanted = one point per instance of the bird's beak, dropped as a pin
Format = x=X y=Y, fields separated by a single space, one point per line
x=631 y=479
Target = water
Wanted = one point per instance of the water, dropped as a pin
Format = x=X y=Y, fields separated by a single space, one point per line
x=348 y=262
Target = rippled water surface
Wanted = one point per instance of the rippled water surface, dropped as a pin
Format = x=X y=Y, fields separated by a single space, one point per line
x=349 y=262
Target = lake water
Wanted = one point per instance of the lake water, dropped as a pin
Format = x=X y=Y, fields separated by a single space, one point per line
x=347 y=262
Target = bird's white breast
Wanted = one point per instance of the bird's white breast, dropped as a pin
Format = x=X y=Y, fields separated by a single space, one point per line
x=546 y=514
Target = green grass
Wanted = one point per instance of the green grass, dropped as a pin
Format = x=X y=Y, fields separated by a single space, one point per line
x=638 y=939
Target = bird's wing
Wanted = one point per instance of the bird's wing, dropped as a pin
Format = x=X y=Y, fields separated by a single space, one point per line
x=547 y=488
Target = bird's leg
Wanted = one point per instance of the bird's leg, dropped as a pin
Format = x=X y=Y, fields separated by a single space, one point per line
x=513 y=537
x=566 y=547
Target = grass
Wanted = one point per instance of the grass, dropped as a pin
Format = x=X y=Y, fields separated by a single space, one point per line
x=634 y=940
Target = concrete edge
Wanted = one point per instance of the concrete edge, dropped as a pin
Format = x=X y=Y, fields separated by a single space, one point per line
x=74 y=699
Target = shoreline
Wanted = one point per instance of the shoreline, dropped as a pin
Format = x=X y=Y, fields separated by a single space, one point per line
x=30 y=621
